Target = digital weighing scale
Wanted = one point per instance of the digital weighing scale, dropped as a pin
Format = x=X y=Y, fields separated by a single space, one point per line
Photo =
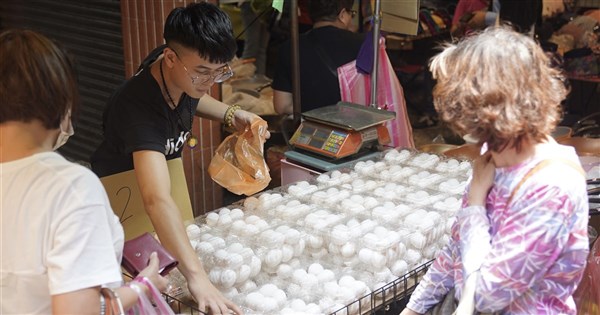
x=339 y=134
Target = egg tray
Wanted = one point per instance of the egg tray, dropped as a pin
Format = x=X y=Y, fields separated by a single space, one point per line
x=379 y=300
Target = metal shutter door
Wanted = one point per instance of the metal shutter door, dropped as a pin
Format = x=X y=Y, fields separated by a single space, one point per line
x=91 y=30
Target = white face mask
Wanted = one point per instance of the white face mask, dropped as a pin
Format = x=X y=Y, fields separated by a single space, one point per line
x=66 y=130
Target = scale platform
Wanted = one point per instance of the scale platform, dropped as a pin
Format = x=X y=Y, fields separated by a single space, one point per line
x=328 y=165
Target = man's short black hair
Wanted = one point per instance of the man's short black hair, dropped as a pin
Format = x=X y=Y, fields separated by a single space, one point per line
x=203 y=27
x=328 y=10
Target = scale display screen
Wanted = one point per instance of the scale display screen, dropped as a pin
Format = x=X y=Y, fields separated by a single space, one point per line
x=321 y=138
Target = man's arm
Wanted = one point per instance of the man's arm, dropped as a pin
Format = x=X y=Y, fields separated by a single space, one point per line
x=283 y=102
x=155 y=187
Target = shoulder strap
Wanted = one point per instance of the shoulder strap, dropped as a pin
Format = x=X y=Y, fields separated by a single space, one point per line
x=538 y=167
x=322 y=54
x=152 y=56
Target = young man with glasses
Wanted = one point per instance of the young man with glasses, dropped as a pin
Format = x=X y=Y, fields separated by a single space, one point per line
x=330 y=44
x=149 y=118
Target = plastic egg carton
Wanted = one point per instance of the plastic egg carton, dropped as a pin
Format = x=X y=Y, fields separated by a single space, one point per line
x=279 y=245
x=391 y=191
x=358 y=205
x=195 y=230
x=335 y=177
x=267 y=299
x=424 y=178
x=453 y=186
x=248 y=227
x=424 y=160
x=368 y=167
x=343 y=240
x=454 y=167
x=221 y=219
x=395 y=173
x=330 y=196
x=448 y=206
x=398 y=156
x=423 y=197
x=301 y=189
x=391 y=214
x=289 y=211
x=232 y=266
x=375 y=247
x=265 y=202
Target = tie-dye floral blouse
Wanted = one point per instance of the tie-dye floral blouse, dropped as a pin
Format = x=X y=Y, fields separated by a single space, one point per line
x=534 y=250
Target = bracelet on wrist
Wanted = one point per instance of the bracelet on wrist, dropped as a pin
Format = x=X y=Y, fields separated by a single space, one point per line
x=229 y=115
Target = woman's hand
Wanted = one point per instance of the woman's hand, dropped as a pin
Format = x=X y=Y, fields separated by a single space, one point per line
x=408 y=311
x=210 y=299
x=483 y=179
x=151 y=272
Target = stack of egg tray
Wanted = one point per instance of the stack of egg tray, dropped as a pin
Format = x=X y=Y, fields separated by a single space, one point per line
x=393 y=192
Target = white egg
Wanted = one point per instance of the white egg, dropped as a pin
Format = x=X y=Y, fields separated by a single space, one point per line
x=212 y=219
x=377 y=260
x=193 y=231
x=326 y=276
x=299 y=275
x=298 y=304
x=284 y=271
x=228 y=278
x=243 y=273
x=234 y=260
x=215 y=275
x=287 y=252
x=204 y=248
x=315 y=268
x=399 y=268
x=236 y=214
x=255 y=265
x=273 y=258
x=348 y=249
x=346 y=281
x=248 y=286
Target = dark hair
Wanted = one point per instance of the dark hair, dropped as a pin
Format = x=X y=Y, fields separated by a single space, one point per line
x=37 y=79
x=521 y=14
x=328 y=10
x=499 y=87
x=203 y=27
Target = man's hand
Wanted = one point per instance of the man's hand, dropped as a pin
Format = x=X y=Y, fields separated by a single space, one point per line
x=483 y=179
x=243 y=120
x=210 y=299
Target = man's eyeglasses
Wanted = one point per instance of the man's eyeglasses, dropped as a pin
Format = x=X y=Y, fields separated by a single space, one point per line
x=218 y=76
x=352 y=12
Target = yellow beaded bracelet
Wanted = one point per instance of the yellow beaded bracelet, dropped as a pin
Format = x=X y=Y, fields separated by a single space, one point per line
x=229 y=114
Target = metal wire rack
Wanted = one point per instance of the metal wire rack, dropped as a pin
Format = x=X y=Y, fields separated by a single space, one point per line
x=378 y=301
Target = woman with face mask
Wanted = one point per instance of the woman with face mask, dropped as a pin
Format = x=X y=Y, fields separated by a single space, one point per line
x=61 y=242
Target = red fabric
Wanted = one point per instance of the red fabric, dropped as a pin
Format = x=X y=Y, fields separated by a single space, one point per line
x=466 y=6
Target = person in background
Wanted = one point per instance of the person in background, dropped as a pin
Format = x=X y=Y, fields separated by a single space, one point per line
x=148 y=120
x=61 y=241
x=520 y=239
x=322 y=50
x=522 y=15
x=465 y=9
x=256 y=31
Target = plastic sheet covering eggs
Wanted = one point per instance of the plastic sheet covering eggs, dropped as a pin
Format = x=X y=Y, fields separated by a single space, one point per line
x=248 y=286
x=251 y=203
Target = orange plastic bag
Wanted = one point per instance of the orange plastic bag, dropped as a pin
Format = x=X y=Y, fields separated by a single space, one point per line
x=239 y=165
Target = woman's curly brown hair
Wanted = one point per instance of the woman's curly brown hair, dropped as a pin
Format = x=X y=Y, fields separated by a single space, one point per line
x=499 y=87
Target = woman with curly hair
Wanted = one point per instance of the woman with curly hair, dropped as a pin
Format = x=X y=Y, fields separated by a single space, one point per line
x=520 y=239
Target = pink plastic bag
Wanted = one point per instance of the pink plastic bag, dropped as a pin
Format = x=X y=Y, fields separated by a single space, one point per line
x=355 y=87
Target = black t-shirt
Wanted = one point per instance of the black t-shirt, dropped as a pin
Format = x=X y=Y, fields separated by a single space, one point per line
x=136 y=118
x=318 y=86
